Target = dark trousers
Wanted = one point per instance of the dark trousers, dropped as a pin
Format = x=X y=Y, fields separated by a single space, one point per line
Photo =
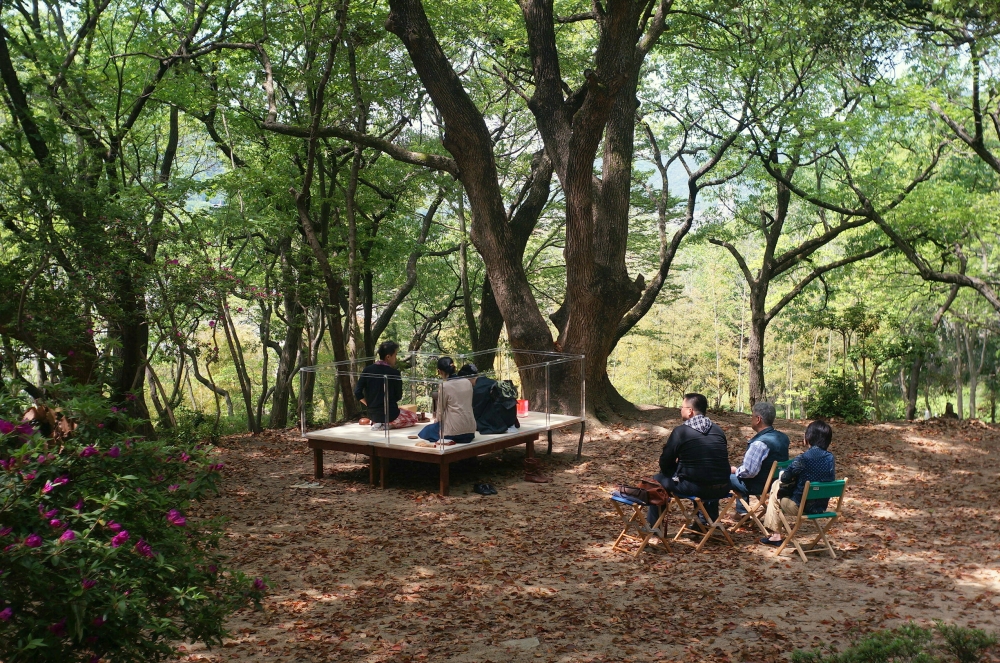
x=684 y=488
x=432 y=433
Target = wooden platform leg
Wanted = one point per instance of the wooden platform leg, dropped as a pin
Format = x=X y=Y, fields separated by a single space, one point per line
x=579 y=447
x=372 y=463
x=318 y=463
x=445 y=478
x=549 y=452
x=382 y=462
x=529 y=449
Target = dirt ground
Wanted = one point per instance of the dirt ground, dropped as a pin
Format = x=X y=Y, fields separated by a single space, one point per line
x=363 y=574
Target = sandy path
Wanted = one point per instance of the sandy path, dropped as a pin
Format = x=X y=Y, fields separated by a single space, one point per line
x=361 y=574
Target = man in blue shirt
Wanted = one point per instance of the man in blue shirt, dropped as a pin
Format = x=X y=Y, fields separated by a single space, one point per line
x=767 y=446
x=816 y=464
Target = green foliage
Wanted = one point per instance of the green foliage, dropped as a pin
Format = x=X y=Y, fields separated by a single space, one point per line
x=99 y=557
x=838 y=396
x=910 y=643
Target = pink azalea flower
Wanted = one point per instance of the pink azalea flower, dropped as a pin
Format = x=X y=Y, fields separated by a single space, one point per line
x=173 y=487
x=119 y=538
x=59 y=628
x=184 y=457
x=258 y=584
x=32 y=540
x=174 y=517
x=41 y=459
x=98 y=621
x=113 y=526
x=87 y=583
x=89 y=451
x=67 y=536
x=47 y=488
x=60 y=480
x=78 y=506
x=114 y=452
x=6 y=614
x=4 y=531
x=28 y=476
x=55 y=522
x=144 y=548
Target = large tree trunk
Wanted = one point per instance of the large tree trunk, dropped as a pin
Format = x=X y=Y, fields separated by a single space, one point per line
x=755 y=357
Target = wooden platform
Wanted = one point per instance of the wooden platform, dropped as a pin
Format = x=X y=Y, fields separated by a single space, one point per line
x=355 y=438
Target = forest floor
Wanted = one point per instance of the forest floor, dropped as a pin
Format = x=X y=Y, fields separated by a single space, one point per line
x=402 y=574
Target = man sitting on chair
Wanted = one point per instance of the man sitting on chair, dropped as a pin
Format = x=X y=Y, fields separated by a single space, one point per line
x=767 y=446
x=695 y=459
x=816 y=464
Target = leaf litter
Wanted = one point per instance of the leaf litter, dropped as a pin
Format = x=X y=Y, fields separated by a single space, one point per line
x=402 y=574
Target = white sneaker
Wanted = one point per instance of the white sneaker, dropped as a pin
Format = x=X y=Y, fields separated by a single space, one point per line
x=380 y=427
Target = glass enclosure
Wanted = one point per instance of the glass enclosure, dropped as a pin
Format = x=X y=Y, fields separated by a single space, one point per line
x=552 y=383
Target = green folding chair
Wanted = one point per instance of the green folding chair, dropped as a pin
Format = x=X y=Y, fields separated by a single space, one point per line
x=822 y=521
x=756 y=508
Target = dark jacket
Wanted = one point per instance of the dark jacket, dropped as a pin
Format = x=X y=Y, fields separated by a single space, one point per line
x=492 y=417
x=813 y=465
x=371 y=386
x=777 y=450
x=700 y=458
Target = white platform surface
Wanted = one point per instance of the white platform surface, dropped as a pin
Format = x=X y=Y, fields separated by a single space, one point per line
x=533 y=422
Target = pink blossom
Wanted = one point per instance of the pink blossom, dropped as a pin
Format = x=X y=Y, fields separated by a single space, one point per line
x=67 y=536
x=98 y=621
x=51 y=513
x=78 y=506
x=119 y=538
x=59 y=628
x=100 y=425
x=184 y=457
x=89 y=451
x=6 y=614
x=258 y=584
x=174 y=517
x=41 y=459
x=69 y=354
x=55 y=522
x=47 y=488
x=4 y=531
x=87 y=583
x=114 y=452
x=144 y=548
x=130 y=397
x=58 y=481
x=32 y=541
x=113 y=526
x=173 y=487
x=28 y=476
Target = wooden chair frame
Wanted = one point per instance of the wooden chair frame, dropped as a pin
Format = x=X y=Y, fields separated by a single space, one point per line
x=632 y=514
x=689 y=508
x=814 y=490
x=756 y=508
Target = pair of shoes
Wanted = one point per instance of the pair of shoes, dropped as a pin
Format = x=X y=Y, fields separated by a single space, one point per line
x=768 y=542
x=484 y=489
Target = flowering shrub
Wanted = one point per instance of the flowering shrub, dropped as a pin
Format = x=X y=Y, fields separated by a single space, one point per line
x=99 y=557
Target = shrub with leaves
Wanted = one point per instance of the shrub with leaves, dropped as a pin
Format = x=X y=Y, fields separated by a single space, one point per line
x=98 y=557
x=838 y=396
x=910 y=643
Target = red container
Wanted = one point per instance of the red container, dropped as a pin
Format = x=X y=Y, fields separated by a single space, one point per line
x=522 y=407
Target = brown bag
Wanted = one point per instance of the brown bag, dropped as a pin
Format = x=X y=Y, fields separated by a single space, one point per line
x=633 y=493
x=657 y=494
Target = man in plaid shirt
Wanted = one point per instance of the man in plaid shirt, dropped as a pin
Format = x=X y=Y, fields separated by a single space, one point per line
x=767 y=446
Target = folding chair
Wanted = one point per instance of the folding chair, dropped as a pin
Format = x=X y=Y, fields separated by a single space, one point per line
x=814 y=491
x=633 y=519
x=756 y=509
x=690 y=507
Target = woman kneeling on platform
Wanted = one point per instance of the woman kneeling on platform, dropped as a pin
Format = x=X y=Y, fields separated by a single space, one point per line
x=455 y=420
x=371 y=390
